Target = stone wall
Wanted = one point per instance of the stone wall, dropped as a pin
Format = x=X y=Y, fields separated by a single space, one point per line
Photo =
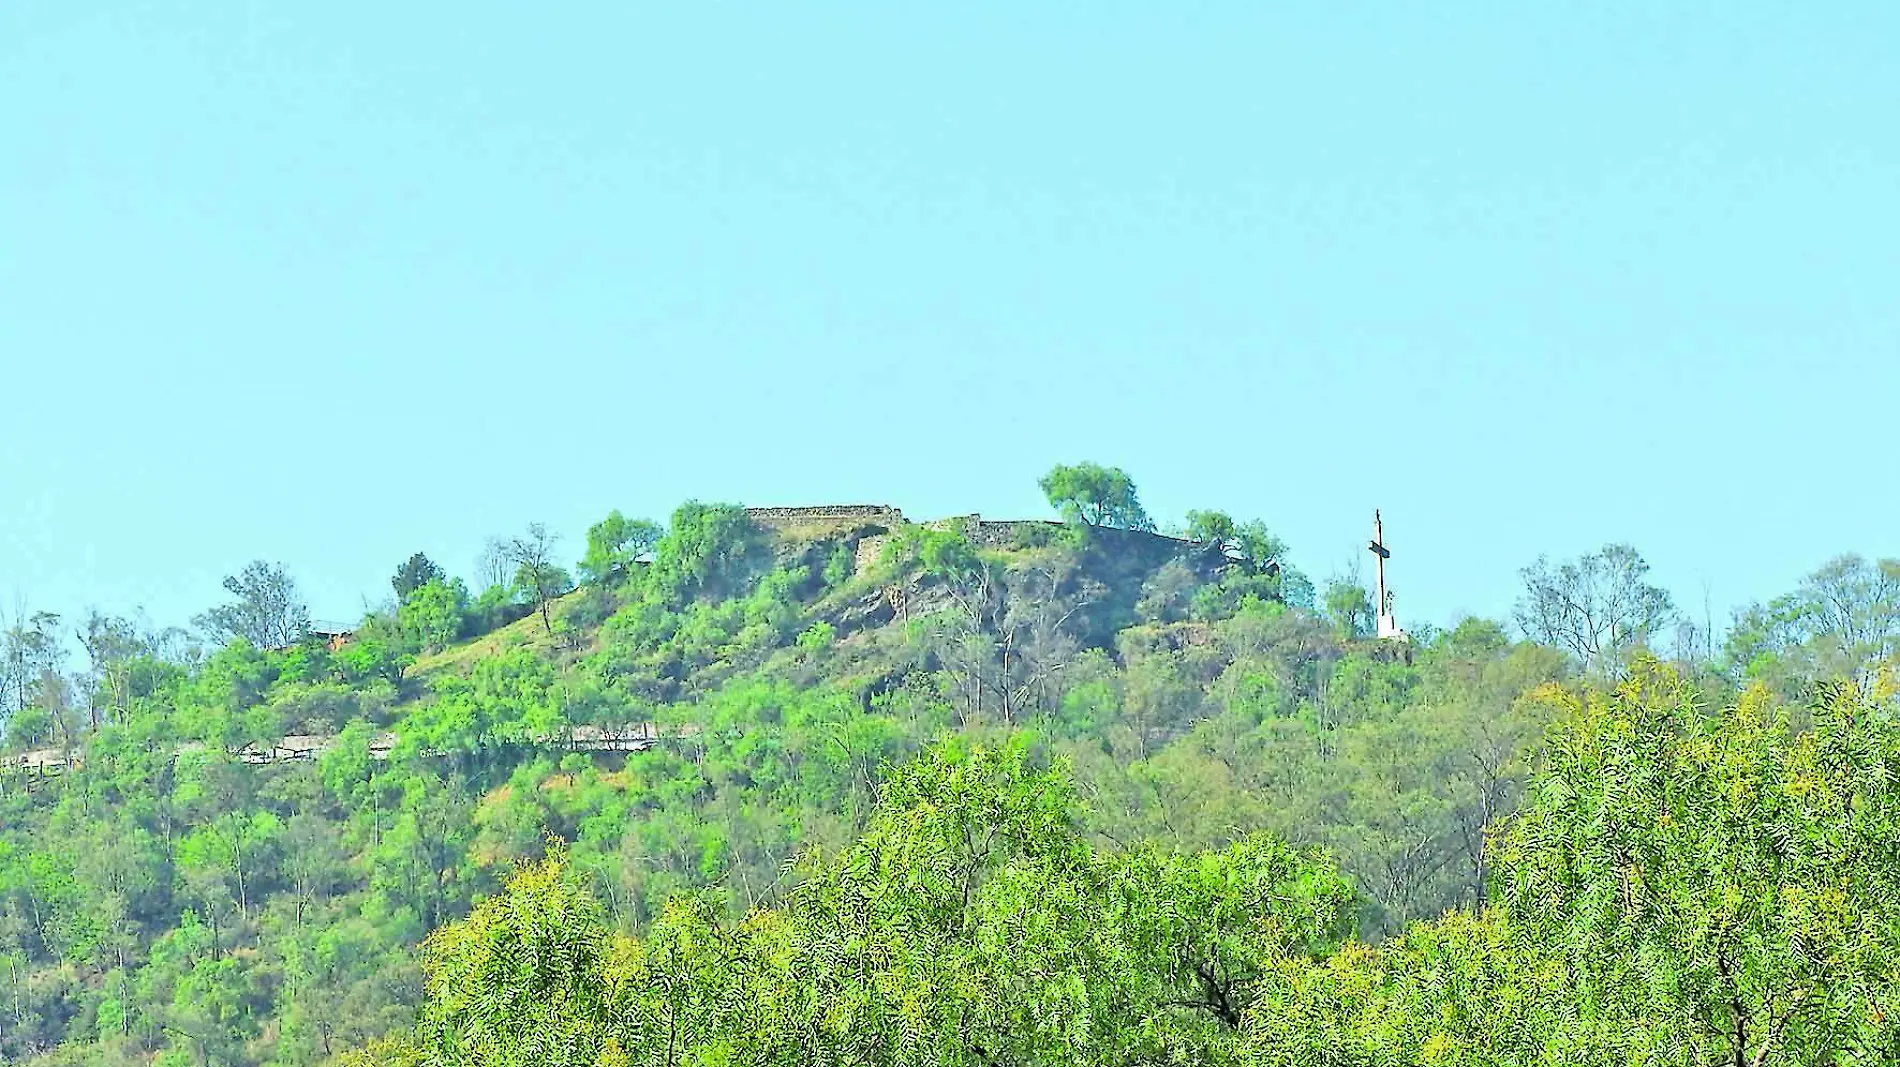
x=839 y=515
x=990 y=533
x=1002 y=533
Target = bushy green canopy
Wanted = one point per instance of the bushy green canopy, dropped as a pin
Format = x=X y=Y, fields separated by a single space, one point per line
x=969 y=924
x=1097 y=495
x=1681 y=889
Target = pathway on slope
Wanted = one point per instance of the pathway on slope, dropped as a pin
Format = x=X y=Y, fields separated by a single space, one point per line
x=301 y=748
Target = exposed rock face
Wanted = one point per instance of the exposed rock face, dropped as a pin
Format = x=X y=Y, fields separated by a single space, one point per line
x=867 y=552
x=869 y=526
x=1006 y=533
x=1103 y=577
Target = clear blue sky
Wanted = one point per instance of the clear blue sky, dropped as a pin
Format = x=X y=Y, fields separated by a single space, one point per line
x=331 y=283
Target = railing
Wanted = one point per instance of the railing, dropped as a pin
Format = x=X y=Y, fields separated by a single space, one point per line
x=305 y=748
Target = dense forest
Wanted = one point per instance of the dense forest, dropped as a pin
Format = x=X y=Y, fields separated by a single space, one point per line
x=1079 y=791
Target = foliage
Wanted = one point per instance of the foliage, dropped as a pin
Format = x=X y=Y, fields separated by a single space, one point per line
x=1350 y=608
x=537 y=578
x=434 y=614
x=267 y=612
x=1210 y=527
x=1842 y=623
x=710 y=552
x=1164 y=769
x=1723 y=883
x=416 y=571
x=1681 y=889
x=970 y=923
x=1598 y=607
x=1097 y=495
x=29 y=653
x=613 y=545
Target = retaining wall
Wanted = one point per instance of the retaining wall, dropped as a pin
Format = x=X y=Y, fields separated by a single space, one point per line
x=826 y=515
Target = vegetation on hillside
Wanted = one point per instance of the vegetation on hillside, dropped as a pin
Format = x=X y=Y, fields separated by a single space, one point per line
x=1679 y=888
x=927 y=796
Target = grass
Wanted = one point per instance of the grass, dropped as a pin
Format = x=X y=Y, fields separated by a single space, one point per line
x=526 y=632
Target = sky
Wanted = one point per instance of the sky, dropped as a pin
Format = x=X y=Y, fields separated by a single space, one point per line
x=328 y=284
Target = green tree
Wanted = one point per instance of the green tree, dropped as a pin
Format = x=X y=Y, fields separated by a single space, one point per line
x=235 y=848
x=1725 y=881
x=1257 y=549
x=1097 y=495
x=1598 y=607
x=1256 y=569
x=613 y=544
x=538 y=579
x=1843 y=622
x=29 y=654
x=416 y=571
x=1490 y=703
x=709 y=552
x=34 y=695
x=267 y=612
x=1349 y=608
x=111 y=644
x=434 y=614
x=525 y=979
x=1214 y=528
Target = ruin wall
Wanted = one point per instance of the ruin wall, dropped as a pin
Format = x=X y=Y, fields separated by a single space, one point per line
x=826 y=515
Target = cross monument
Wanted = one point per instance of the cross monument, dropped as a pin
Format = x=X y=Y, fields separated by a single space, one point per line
x=1387 y=626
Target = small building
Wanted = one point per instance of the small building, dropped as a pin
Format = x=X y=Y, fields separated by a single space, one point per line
x=334 y=635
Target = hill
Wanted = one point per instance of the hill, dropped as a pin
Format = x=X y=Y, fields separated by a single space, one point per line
x=175 y=897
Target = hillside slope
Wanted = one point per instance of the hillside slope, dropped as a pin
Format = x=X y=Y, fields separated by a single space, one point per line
x=170 y=899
